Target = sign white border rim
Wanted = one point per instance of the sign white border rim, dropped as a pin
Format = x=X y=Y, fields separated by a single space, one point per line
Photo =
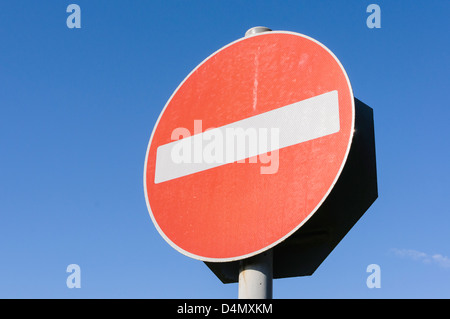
x=228 y=259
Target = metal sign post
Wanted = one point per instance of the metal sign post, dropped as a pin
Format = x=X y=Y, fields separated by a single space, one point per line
x=255 y=276
x=256 y=273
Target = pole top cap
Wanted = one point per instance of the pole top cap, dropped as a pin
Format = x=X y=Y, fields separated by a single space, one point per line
x=256 y=30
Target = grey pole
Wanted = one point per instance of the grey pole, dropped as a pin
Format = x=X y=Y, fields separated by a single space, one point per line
x=255 y=276
x=256 y=273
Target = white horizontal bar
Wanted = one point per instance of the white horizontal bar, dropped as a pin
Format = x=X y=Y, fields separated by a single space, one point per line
x=288 y=125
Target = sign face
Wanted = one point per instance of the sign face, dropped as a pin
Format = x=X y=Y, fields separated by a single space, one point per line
x=249 y=146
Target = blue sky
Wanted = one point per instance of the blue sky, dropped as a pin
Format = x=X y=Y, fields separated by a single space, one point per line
x=77 y=107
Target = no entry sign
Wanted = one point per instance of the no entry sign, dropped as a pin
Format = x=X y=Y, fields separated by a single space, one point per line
x=249 y=146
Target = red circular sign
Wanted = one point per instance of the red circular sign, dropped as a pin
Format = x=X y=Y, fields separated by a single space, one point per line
x=215 y=208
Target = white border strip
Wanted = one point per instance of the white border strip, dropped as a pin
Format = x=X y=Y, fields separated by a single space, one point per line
x=299 y=122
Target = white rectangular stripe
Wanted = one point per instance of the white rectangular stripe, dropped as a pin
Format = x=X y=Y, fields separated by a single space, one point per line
x=298 y=122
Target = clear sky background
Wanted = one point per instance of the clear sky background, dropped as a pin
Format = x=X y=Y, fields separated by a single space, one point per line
x=77 y=108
